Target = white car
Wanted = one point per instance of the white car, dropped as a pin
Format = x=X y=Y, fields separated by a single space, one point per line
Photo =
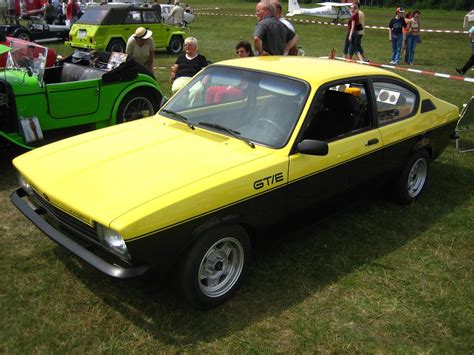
x=165 y=13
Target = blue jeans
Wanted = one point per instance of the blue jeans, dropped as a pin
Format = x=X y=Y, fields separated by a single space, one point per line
x=351 y=47
x=397 y=42
x=412 y=41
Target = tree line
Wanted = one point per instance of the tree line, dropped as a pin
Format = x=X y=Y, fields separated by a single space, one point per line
x=412 y=4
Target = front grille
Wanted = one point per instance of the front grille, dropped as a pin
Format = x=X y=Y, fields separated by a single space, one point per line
x=65 y=219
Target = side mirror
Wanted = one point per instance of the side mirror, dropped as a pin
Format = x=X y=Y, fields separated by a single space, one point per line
x=312 y=147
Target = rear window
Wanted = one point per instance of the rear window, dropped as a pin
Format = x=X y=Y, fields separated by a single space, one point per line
x=93 y=16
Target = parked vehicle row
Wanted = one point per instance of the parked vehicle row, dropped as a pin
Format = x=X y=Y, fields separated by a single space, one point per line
x=103 y=27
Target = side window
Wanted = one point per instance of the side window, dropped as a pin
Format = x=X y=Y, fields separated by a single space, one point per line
x=134 y=17
x=150 y=16
x=340 y=110
x=394 y=102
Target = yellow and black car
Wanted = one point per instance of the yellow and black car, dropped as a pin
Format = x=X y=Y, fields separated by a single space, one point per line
x=245 y=143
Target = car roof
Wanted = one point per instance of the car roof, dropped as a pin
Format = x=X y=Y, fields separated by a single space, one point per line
x=313 y=70
x=115 y=13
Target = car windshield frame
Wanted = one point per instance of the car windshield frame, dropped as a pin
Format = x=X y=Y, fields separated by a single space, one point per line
x=261 y=106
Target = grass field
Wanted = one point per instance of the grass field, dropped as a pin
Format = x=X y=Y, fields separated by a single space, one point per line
x=374 y=277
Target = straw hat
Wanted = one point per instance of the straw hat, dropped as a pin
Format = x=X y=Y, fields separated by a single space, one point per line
x=142 y=33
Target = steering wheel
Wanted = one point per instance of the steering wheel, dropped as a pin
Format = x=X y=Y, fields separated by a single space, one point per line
x=270 y=129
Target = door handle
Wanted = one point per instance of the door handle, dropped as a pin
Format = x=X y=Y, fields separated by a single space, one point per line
x=371 y=142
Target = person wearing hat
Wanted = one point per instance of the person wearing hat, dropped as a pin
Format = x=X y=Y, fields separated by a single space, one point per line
x=141 y=47
x=395 y=34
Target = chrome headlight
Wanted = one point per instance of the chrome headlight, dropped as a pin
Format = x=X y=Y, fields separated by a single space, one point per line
x=113 y=241
x=24 y=185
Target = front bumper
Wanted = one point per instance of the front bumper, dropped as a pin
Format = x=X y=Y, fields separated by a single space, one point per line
x=35 y=216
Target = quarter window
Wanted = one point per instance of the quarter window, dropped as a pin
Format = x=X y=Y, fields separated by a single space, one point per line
x=150 y=16
x=394 y=102
x=134 y=17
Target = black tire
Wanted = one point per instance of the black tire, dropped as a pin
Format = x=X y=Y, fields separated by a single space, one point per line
x=214 y=267
x=412 y=182
x=23 y=34
x=176 y=45
x=116 y=45
x=138 y=104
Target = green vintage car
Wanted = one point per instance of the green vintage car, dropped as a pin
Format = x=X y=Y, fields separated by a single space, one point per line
x=84 y=92
x=108 y=27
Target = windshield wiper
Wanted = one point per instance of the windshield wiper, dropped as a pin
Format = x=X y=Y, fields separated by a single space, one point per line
x=232 y=132
x=179 y=117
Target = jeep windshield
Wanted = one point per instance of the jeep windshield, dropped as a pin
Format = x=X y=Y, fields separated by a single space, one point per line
x=27 y=57
x=260 y=107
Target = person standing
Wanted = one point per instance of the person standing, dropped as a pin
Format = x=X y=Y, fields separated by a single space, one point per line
x=350 y=45
x=72 y=12
x=156 y=5
x=176 y=15
x=11 y=13
x=288 y=24
x=360 y=33
x=395 y=34
x=413 y=36
x=470 y=61
x=141 y=47
x=271 y=37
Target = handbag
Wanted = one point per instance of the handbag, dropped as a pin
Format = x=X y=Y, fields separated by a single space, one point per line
x=359 y=27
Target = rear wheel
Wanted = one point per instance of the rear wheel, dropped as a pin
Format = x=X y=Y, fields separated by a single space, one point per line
x=213 y=269
x=23 y=34
x=175 y=46
x=411 y=183
x=136 y=105
x=116 y=45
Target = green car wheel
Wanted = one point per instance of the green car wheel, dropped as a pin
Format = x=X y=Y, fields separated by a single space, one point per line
x=136 y=105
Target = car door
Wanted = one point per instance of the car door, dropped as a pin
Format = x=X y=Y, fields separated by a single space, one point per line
x=342 y=116
x=153 y=22
x=63 y=98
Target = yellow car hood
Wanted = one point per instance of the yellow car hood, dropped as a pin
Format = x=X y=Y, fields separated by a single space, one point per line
x=99 y=176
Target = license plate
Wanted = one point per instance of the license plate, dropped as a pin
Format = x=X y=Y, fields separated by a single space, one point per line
x=81 y=34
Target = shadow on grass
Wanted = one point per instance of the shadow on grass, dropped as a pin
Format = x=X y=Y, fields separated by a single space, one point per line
x=291 y=263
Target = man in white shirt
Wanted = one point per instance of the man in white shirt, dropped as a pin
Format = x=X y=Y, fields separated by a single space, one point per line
x=176 y=15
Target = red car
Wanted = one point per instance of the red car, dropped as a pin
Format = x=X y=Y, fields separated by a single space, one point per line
x=33 y=50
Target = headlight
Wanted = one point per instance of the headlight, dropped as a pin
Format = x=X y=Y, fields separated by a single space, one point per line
x=27 y=187
x=113 y=241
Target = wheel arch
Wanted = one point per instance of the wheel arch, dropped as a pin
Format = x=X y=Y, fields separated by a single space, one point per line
x=129 y=89
x=115 y=37
x=424 y=143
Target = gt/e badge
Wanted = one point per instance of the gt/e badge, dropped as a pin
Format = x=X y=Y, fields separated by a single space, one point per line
x=268 y=181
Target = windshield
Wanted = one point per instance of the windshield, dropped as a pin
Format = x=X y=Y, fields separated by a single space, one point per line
x=259 y=107
x=27 y=57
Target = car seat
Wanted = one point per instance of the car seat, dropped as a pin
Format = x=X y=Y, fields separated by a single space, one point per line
x=339 y=115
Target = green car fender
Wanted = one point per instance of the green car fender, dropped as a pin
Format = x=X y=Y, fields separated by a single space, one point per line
x=140 y=86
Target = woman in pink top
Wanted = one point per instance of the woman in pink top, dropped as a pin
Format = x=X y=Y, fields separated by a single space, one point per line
x=413 y=36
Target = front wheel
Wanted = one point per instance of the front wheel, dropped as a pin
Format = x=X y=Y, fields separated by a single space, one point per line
x=175 y=46
x=136 y=105
x=214 y=267
x=413 y=179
